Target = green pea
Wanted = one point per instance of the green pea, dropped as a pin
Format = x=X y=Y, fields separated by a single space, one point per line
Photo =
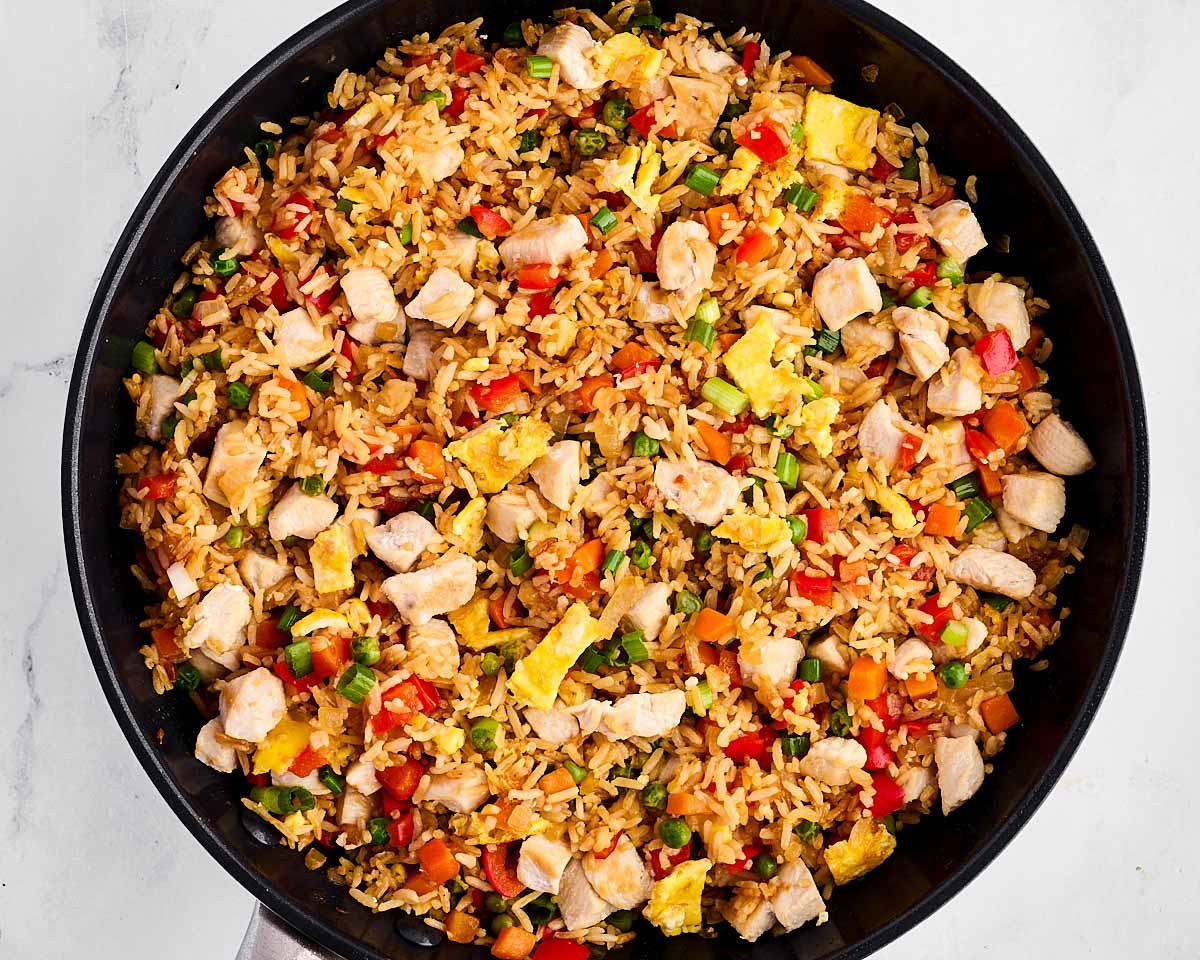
x=674 y=832
x=483 y=734
x=654 y=796
x=765 y=866
x=953 y=674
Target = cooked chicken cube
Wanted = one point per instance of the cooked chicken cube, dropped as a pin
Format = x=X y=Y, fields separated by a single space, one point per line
x=461 y=790
x=220 y=619
x=749 y=913
x=911 y=657
x=443 y=299
x=310 y=782
x=881 y=433
x=440 y=162
x=686 y=258
x=400 y=542
x=210 y=751
x=557 y=472
x=794 y=896
x=1059 y=448
x=956 y=230
x=541 y=863
x=843 y=379
x=300 y=338
x=650 y=304
x=843 y=290
x=770 y=662
x=699 y=104
x=703 y=492
x=261 y=572
x=297 y=514
x=363 y=777
x=621 y=878
x=354 y=808
x=993 y=571
x=552 y=240
x=915 y=781
x=157 y=403
x=863 y=341
x=958 y=390
x=646 y=715
x=959 y=770
x=211 y=665
x=1038 y=500
x=831 y=760
x=923 y=340
x=568 y=45
x=238 y=235
x=1002 y=307
x=372 y=301
x=439 y=588
x=252 y=705
x=557 y=725
x=1014 y=531
x=236 y=458
x=510 y=514
x=418 y=354
x=433 y=650
x=650 y=611
x=833 y=660
x=578 y=903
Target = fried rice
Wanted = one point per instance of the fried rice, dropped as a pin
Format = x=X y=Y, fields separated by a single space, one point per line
x=585 y=485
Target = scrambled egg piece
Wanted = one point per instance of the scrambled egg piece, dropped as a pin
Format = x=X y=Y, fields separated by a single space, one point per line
x=674 y=905
x=471 y=826
x=332 y=561
x=467 y=525
x=816 y=423
x=449 y=740
x=496 y=456
x=368 y=112
x=320 y=619
x=471 y=621
x=357 y=614
x=756 y=534
x=868 y=845
x=896 y=505
x=283 y=745
x=839 y=131
x=832 y=197
x=536 y=678
x=742 y=165
x=633 y=173
x=627 y=59
x=282 y=253
x=771 y=388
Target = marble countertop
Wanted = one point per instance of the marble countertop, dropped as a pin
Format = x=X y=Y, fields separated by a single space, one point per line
x=93 y=858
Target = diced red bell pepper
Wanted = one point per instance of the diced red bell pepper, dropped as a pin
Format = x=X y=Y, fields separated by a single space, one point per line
x=278 y=295
x=308 y=761
x=537 y=276
x=540 y=304
x=640 y=367
x=822 y=521
x=401 y=781
x=427 y=694
x=752 y=746
x=587 y=587
x=497 y=396
x=916 y=729
x=268 y=636
x=489 y=222
x=608 y=851
x=281 y=670
x=324 y=300
x=941 y=616
x=881 y=169
x=467 y=420
x=727 y=660
x=924 y=275
x=381 y=608
x=980 y=445
x=749 y=852
x=765 y=141
x=467 y=62
x=909 y=446
x=393 y=807
x=877 y=367
x=385 y=463
x=347 y=351
x=458 y=102
x=643 y=122
x=996 y=352
x=400 y=830
x=889 y=795
x=879 y=754
x=294 y=217
x=903 y=553
x=750 y=54
x=904 y=241
x=403 y=702
x=554 y=948
x=664 y=860
x=647 y=256
x=499 y=864
x=738 y=464
x=816 y=587
x=887 y=709
x=160 y=486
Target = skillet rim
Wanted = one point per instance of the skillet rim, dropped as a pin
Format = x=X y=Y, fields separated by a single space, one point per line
x=84 y=585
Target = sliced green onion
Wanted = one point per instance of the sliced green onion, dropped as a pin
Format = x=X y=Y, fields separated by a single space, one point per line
x=539 y=67
x=615 y=114
x=622 y=920
x=787 y=469
x=282 y=801
x=313 y=485
x=590 y=142
x=187 y=678
x=766 y=573
x=921 y=297
x=529 y=141
x=674 y=832
x=953 y=674
x=298 y=657
x=483 y=734
x=169 y=425
x=911 y=169
x=365 y=650
x=318 y=381
x=996 y=601
x=778 y=427
x=640 y=555
x=612 y=561
x=950 y=269
x=377 y=828
x=433 y=96
x=356 y=682
x=977 y=510
x=709 y=310
x=889 y=823
x=519 y=561
x=839 y=722
x=513 y=35
x=213 y=360
x=344 y=205
x=224 y=266
x=634 y=644
x=807 y=830
x=603 y=220
x=704 y=543
x=144 y=361
x=467 y=226
x=827 y=341
x=702 y=179
x=964 y=488
x=578 y=773
x=288 y=618
x=234 y=537
x=705 y=695
x=265 y=148
x=724 y=396
x=799 y=527
x=644 y=446
x=687 y=602
x=184 y=303
x=405 y=235
x=425 y=509
x=795 y=745
x=800 y=197
x=490 y=663
x=723 y=142
x=733 y=109
x=591 y=660
x=810 y=670
x=886 y=296
x=238 y=395
x=797 y=132
x=698 y=331
x=815 y=390
x=954 y=633
x=646 y=22
x=508 y=419
x=654 y=796
x=331 y=781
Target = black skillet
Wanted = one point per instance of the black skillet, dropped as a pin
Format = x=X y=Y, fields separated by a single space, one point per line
x=1093 y=370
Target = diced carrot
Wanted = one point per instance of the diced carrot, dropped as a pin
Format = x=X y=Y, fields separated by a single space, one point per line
x=299 y=396
x=528 y=381
x=941 y=520
x=684 y=805
x=707 y=654
x=165 y=643
x=585 y=396
x=430 y=464
x=850 y=572
x=862 y=215
x=727 y=340
x=755 y=248
x=585 y=559
x=405 y=433
x=513 y=943
x=308 y=761
x=810 y=71
x=601 y=265
x=715 y=442
x=998 y=713
x=630 y=355
x=867 y=679
x=718 y=220
x=583 y=222
x=727 y=660
x=421 y=883
x=989 y=481
x=437 y=862
x=1005 y=424
x=461 y=927
x=1027 y=375
x=712 y=626
x=496 y=611
x=556 y=781
x=920 y=685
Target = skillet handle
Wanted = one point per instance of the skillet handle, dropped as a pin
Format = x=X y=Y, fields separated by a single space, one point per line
x=269 y=938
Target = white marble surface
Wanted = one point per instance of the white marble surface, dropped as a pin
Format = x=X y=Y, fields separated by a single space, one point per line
x=98 y=91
